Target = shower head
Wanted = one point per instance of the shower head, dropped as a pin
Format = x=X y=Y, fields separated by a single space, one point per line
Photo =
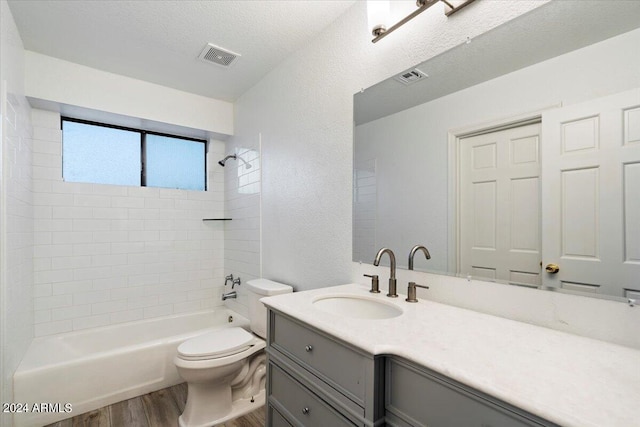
x=223 y=161
x=233 y=156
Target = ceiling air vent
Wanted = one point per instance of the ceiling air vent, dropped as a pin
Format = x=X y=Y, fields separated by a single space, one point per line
x=411 y=76
x=219 y=56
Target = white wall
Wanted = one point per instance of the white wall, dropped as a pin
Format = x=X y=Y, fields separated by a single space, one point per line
x=411 y=147
x=16 y=209
x=57 y=81
x=304 y=111
x=107 y=254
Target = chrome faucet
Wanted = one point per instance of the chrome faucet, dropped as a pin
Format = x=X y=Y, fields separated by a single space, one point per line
x=228 y=295
x=392 y=279
x=227 y=279
x=412 y=254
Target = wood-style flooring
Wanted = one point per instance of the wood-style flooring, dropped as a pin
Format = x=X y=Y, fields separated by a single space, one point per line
x=158 y=409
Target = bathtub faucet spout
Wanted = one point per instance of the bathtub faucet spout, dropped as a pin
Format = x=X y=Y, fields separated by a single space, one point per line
x=228 y=295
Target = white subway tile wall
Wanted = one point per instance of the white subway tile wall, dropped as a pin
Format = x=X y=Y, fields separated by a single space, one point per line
x=17 y=269
x=16 y=209
x=106 y=254
x=242 y=205
x=365 y=190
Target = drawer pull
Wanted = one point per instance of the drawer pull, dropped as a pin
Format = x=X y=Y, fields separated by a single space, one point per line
x=308 y=348
x=305 y=410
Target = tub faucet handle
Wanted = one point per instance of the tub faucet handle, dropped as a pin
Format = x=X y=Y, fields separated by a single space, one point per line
x=228 y=278
x=235 y=282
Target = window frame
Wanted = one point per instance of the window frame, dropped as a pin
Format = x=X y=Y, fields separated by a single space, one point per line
x=143 y=146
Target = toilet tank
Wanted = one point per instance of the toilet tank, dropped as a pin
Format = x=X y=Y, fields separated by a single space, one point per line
x=260 y=288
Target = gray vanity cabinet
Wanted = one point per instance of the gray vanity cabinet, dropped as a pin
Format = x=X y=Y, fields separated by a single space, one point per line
x=276 y=419
x=416 y=396
x=315 y=380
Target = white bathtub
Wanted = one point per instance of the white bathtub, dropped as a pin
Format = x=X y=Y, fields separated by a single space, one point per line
x=97 y=367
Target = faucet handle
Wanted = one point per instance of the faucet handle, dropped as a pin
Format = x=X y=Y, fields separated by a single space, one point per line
x=375 y=283
x=235 y=282
x=411 y=292
x=228 y=278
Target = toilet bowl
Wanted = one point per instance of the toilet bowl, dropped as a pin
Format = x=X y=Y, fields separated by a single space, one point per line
x=225 y=369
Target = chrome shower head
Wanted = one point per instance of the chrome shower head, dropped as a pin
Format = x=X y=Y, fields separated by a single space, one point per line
x=233 y=156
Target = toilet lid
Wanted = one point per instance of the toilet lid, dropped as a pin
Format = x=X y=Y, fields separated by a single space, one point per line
x=211 y=345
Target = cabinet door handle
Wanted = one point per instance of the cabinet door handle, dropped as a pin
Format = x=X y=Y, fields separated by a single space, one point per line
x=305 y=410
x=308 y=348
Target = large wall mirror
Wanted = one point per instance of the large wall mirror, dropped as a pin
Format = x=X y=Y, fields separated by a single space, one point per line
x=517 y=159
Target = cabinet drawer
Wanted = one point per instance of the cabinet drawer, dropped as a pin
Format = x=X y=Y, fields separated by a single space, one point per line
x=299 y=404
x=418 y=397
x=340 y=366
x=276 y=419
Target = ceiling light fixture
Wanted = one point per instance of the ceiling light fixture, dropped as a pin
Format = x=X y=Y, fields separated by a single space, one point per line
x=378 y=12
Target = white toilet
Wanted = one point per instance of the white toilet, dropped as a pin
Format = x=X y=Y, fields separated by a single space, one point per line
x=225 y=369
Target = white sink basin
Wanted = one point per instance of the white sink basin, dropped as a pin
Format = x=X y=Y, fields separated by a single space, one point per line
x=357 y=307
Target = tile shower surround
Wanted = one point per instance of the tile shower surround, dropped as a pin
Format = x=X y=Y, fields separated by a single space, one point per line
x=105 y=254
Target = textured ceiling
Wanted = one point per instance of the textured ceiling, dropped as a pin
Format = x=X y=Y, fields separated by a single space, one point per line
x=159 y=41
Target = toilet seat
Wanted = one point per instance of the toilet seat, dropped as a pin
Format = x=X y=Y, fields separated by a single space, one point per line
x=225 y=370
x=216 y=344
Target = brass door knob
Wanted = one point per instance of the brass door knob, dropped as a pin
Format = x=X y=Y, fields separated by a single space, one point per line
x=552 y=268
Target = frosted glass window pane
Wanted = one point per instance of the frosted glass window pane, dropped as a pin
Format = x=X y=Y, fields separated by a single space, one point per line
x=100 y=154
x=174 y=163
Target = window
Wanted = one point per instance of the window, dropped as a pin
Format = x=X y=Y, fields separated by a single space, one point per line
x=171 y=162
x=106 y=154
x=100 y=154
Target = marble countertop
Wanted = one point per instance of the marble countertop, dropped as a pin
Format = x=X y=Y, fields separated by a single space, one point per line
x=566 y=379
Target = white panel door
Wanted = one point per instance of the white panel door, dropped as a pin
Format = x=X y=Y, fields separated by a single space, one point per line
x=499 y=205
x=591 y=195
